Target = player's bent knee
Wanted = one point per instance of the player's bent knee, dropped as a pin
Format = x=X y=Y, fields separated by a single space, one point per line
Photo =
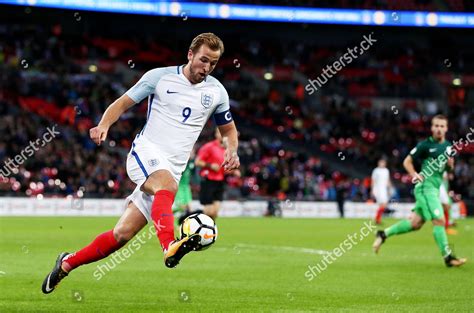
x=416 y=221
x=123 y=233
x=416 y=225
x=160 y=180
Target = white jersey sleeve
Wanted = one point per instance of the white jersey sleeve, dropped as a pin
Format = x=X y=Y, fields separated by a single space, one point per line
x=147 y=84
x=222 y=113
x=224 y=105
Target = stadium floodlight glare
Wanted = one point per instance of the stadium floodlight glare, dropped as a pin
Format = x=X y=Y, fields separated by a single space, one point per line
x=263 y=13
x=268 y=76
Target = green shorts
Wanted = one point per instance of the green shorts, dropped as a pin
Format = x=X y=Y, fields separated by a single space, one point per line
x=183 y=198
x=427 y=204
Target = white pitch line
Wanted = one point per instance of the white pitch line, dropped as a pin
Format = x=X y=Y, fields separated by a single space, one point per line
x=283 y=248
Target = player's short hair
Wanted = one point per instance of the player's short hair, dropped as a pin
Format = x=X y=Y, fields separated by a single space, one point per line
x=208 y=39
x=439 y=117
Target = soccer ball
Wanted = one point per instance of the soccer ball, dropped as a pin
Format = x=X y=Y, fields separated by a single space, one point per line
x=201 y=224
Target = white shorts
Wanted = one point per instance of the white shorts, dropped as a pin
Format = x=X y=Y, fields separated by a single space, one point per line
x=143 y=202
x=381 y=196
x=146 y=158
x=443 y=195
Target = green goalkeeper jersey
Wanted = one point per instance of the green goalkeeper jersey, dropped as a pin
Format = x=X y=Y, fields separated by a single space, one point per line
x=186 y=176
x=184 y=196
x=432 y=157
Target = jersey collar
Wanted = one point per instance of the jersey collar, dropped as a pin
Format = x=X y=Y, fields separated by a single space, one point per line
x=433 y=140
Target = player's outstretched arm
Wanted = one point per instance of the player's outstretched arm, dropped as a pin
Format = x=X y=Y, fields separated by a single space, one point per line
x=231 y=159
x=410 y=168
x=111 y=115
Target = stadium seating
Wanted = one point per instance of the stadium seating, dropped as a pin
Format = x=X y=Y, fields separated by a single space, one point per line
x=348 y=116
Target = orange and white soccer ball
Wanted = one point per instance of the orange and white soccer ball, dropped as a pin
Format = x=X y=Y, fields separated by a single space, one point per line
x=201 y=224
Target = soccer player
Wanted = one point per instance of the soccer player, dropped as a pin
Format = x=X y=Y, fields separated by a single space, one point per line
x=380 y=186
x=184 y=196
x=180 y=101
x=435 y=155
x=212 y=183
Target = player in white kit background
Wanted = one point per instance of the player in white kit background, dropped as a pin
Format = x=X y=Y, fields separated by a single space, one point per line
x=381 y=185
x=181 y=99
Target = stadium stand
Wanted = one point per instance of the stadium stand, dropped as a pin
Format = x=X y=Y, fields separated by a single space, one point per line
x=70 y=82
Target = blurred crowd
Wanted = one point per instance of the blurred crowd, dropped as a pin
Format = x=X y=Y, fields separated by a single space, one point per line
x=364 y=135
x=48 y=78
x=71 y=165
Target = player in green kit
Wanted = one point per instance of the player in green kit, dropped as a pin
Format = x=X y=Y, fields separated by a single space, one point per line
x=184 y=196
x=435 y=156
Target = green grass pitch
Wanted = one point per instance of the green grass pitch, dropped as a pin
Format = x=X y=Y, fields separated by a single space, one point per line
x=257 y=265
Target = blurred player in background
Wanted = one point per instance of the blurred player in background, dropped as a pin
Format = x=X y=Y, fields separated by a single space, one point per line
x=435 y=155
x=212 y=175
x=181 y=99
x=184 y=196
x=380 y=188
x=446 y=202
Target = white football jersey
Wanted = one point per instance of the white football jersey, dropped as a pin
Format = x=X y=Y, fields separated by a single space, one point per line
x=178 y=110
x=380 y=178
